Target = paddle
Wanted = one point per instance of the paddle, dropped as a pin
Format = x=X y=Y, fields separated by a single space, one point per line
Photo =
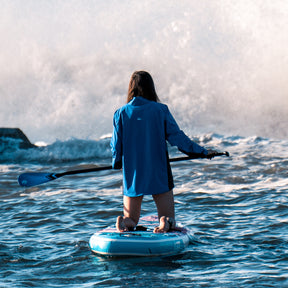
x=37 y=178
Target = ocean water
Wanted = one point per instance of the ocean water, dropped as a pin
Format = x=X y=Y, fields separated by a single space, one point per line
x=236 y=208
x=221 y=68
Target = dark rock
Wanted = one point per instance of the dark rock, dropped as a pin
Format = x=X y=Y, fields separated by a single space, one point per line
x=8 y=135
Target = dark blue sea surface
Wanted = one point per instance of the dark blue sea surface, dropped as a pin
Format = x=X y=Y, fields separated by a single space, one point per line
x=236 y=208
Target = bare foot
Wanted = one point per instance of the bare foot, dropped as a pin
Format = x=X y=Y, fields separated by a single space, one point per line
x=120 y=226
x=165 y=225
x=124 y=224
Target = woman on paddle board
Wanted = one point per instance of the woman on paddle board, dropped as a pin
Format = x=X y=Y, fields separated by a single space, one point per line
x=140 y=131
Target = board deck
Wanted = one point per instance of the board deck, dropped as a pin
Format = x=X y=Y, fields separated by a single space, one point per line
x=110 y=242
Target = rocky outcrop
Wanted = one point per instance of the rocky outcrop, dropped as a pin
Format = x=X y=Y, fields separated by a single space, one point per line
x=8 y=135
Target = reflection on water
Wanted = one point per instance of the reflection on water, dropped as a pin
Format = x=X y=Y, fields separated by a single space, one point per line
x=236 y=209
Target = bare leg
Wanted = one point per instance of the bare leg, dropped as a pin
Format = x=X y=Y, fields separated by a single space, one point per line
x=165 y=204
x=132 y=211
x=166 y=211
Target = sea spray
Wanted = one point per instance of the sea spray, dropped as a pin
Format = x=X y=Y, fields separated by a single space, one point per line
x=220 y=66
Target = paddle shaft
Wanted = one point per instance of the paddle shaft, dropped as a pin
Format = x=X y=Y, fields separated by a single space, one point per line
x=194 y=156
x=33 y=179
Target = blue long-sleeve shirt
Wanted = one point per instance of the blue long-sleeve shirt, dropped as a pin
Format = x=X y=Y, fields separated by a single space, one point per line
x=139 y=146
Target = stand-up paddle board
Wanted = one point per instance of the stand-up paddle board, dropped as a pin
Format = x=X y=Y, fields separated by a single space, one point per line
x=141 y=242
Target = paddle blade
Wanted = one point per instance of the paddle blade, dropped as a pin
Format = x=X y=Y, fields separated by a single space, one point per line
x=33 y=179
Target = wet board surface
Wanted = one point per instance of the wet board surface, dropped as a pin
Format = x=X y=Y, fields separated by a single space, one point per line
x=110 y=242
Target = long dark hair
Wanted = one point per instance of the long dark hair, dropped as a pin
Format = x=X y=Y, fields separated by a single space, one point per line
x=142 y=84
